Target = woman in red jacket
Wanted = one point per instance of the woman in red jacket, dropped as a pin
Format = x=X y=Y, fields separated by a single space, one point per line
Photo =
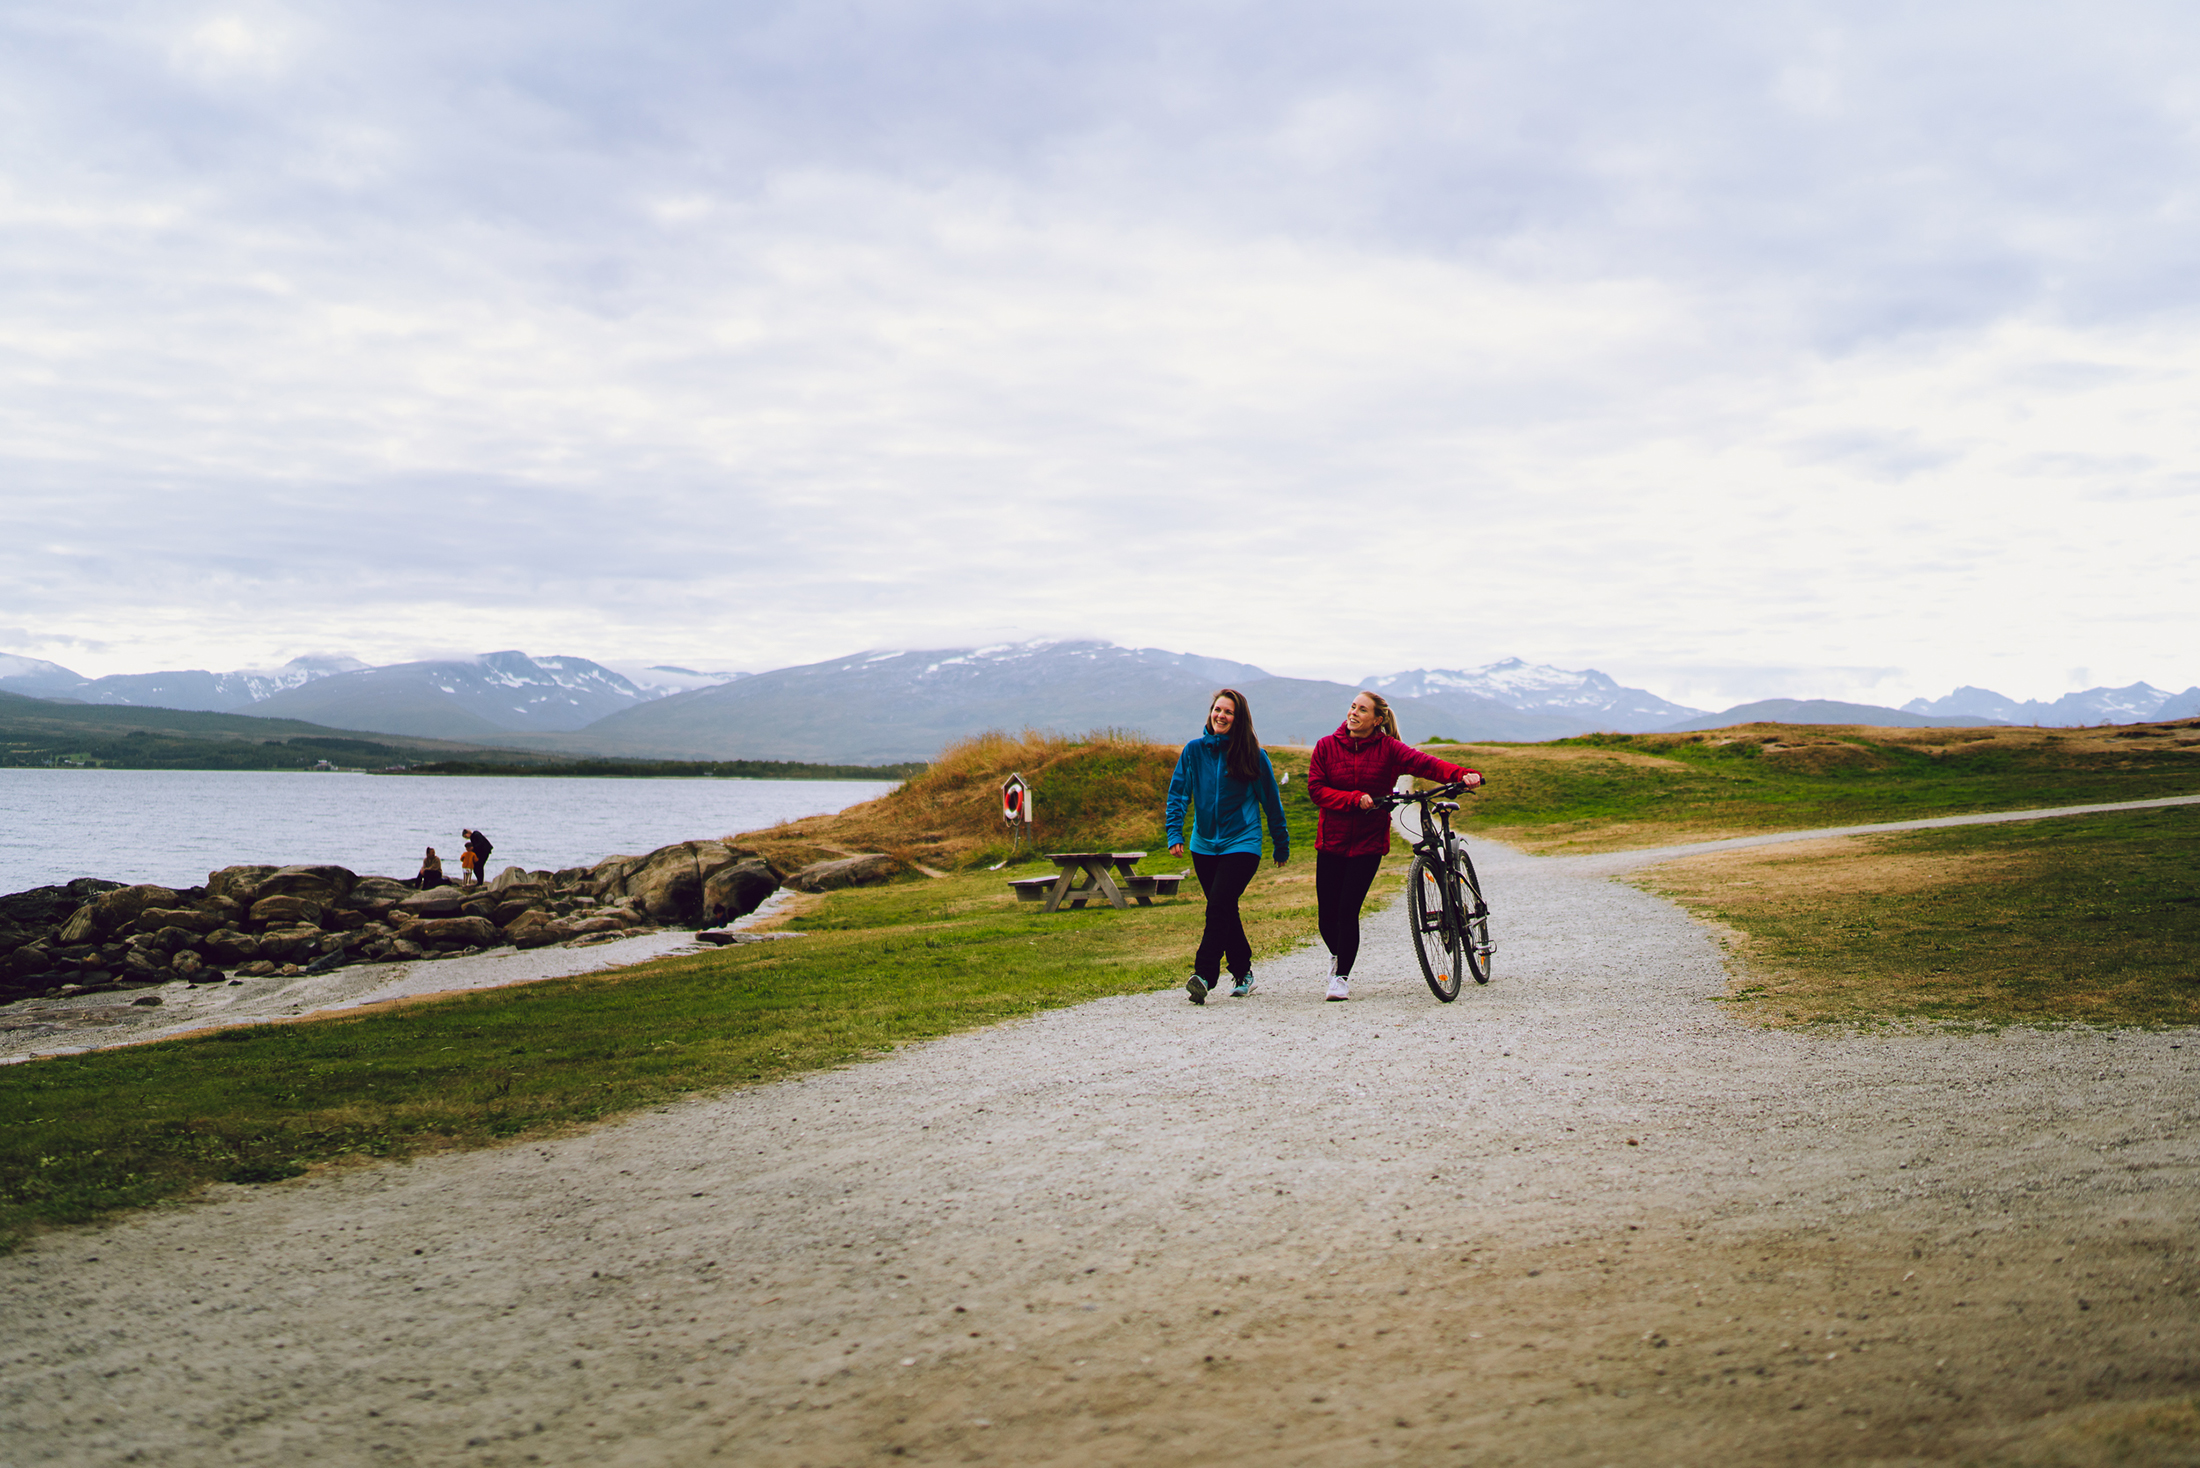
x=1362 y=760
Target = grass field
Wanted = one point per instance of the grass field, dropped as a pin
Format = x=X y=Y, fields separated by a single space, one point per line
x=877 y=968
x=2076 y=920
x=1612 y=792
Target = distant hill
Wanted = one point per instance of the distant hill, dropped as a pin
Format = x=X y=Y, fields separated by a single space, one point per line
x=1824 y=711
x=32 y=730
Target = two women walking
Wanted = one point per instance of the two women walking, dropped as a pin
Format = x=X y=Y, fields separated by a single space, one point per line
x=1225 y=779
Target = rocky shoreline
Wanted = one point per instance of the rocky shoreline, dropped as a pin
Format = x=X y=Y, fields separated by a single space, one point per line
x=249 y=922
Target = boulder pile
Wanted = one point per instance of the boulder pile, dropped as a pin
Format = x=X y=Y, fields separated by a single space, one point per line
x=257 y=921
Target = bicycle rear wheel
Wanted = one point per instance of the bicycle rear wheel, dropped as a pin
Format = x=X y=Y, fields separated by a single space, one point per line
x=1475 y=917
x=1433 y=910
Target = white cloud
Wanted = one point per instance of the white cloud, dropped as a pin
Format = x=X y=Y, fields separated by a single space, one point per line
x=1846 y=354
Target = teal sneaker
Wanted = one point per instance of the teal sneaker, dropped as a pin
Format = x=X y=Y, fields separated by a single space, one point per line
x=1243 y=987
x=1197 y=987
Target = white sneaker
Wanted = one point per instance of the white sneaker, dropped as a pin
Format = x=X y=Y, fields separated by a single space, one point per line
x=1340 y=987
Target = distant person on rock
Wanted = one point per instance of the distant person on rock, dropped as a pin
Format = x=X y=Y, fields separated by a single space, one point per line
x=431 y=871
x=1350 y=768
x=478 y=843
x=1224 y=777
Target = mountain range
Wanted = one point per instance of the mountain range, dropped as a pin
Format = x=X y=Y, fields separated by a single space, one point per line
x=457 y=698
x=2137 y=704
x=891 y=705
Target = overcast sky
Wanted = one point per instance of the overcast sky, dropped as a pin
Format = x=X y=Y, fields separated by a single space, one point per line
x=1738 y=351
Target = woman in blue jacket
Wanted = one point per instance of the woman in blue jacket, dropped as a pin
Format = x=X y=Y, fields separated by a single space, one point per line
x=1225 y=777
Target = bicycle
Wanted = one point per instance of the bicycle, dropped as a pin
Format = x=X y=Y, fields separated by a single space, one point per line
x=1444 y=906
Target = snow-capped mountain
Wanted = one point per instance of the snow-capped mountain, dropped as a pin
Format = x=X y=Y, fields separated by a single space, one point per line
x=459 y=698
x=2137 y=703
x=462 y=698
x=1587 y=698
x=36 y=678
x=901 y=703
x=661 y=680
x=192 y=688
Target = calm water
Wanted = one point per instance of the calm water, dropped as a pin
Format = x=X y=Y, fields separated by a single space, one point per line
x=175 y=826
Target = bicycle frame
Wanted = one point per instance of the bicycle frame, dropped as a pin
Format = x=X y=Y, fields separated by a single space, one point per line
x=1450 y=933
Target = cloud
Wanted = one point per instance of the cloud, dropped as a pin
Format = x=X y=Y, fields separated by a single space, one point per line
x=1829 y=338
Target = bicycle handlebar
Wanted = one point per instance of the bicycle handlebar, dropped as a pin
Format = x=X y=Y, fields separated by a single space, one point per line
x=1441 y=792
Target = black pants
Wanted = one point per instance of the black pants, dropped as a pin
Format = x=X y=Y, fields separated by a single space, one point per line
x=1224 y=879
x=1340 y=886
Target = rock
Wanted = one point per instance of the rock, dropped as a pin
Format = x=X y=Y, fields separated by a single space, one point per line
x=524 y=922
x=406 y=948
x=572 y=877
x=146 y=999
x=227 y=945
x=30 y=959
x=286 y=910
x=668 y=883
x=174 y=940
x=144 y=964
x=510 y=912
x=47 y=907
x=194 y=919
x=512 y=877
x=325 y=885
x=287 y=945
x=259 y=968
x=848 y=871
x=453 y=932
x=435 y=902
x=738 y=889
x=582 y=927
x=239 y=884
x=187 y=965
x=376 y=892
x=113 y=911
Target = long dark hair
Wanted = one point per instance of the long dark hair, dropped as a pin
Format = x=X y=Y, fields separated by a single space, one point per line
x=1243 y=758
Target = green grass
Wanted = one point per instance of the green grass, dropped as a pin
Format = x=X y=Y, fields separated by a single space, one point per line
x=1614 y=791
x=82 y=1136
x=2076 y=920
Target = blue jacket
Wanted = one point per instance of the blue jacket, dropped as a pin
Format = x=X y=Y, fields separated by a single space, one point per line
x=1225 y=810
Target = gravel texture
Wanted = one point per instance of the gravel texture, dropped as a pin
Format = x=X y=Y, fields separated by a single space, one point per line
x=1578 y=1215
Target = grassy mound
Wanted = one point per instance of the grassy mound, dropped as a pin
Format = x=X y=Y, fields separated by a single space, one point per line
x=1099 y=791
x=1609 y=792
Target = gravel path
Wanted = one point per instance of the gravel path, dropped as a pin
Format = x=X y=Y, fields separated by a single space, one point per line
x=1577 y=1213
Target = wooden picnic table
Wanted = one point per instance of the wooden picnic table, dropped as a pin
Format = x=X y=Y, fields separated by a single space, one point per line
x=1106 y=874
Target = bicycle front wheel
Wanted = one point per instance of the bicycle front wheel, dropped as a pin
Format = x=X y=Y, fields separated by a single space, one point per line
x=1475 y=918
x=1433 y=911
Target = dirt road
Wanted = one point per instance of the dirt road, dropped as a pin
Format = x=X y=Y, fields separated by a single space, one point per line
x=1582 y=1216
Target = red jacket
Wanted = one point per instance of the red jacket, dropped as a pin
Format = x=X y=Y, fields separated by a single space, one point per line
x=1344 y=767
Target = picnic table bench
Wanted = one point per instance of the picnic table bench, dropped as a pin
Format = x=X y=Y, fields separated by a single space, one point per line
x=1106 y=874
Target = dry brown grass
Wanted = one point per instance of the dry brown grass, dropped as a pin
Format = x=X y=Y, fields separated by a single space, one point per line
x=1101 y=791
x=2082 y=919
